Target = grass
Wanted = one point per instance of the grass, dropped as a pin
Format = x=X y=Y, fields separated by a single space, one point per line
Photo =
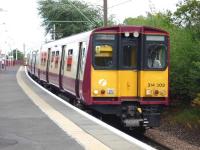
x=188 y=117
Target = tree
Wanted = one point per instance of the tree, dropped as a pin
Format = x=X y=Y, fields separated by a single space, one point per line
x=20 y=55
x=68 y=10
x=188 y=15
x=156 y=20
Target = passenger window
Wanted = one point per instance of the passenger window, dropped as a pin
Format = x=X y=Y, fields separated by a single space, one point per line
x=70 y=52
x=57 y=53
x=42 y=59
x=52 y=56
x=69 y=60
x=56 y=59
x=83 y=52
x=45 y=58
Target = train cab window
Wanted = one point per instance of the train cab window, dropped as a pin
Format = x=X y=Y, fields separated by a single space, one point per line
x=103 y=55
x=156 y=58
x=104 y=51
x=155 y=52
x=128 y=57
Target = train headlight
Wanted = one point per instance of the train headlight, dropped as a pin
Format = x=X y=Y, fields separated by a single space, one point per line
x=96 y=92
x=136 y=34
x=148 y=92
x=126 y=34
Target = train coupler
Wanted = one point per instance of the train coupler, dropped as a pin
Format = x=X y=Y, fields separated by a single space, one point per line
x=132 y=122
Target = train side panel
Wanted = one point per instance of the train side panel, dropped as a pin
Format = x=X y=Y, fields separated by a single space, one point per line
x=36 y=65
x=68 y=76
x=74 y=66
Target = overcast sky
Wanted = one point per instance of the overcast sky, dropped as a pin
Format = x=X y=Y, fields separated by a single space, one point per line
x=20 y=23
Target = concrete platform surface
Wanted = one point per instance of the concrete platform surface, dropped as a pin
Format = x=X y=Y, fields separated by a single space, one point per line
x=32 y=119
x=23 y=126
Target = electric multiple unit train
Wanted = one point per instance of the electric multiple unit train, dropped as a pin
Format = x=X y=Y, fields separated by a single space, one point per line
x=120 y=70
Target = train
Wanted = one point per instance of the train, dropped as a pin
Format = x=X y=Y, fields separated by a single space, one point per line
x=119 y=70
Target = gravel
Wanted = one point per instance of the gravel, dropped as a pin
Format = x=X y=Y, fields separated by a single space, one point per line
x=175 y=137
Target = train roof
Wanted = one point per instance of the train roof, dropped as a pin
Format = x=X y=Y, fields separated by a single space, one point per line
x=118 y=28
x=124 y=28
x=70 y=38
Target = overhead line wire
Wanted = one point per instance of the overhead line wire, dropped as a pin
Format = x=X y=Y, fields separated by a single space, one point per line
x=119 y=4
x=81 y=13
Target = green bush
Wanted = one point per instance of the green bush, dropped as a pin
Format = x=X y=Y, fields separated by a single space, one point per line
x=188 y=117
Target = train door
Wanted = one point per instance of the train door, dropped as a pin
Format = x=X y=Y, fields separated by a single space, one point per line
x=62 y=64
x=37 y=70
x=79 y=70
x=128 y=66
x=34 y=62
x=48 y=64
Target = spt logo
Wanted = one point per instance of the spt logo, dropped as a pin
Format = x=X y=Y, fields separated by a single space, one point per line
x=102 y=82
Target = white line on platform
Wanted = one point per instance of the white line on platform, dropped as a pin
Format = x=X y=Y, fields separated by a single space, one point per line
x=114 y=130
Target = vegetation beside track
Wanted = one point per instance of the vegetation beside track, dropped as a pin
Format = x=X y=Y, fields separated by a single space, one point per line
x=183 y=122
x=187 y=117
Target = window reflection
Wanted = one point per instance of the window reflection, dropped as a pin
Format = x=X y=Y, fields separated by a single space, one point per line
x=156 y=56
x=104 y=50
x=103 y=55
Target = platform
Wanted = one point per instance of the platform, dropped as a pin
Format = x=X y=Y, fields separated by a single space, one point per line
x=32 y=118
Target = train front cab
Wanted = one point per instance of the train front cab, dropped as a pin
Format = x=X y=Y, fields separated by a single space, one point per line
x=129 y=73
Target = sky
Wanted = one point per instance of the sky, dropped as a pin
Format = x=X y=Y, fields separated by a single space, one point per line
x=20 y=23
x=122 y=9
